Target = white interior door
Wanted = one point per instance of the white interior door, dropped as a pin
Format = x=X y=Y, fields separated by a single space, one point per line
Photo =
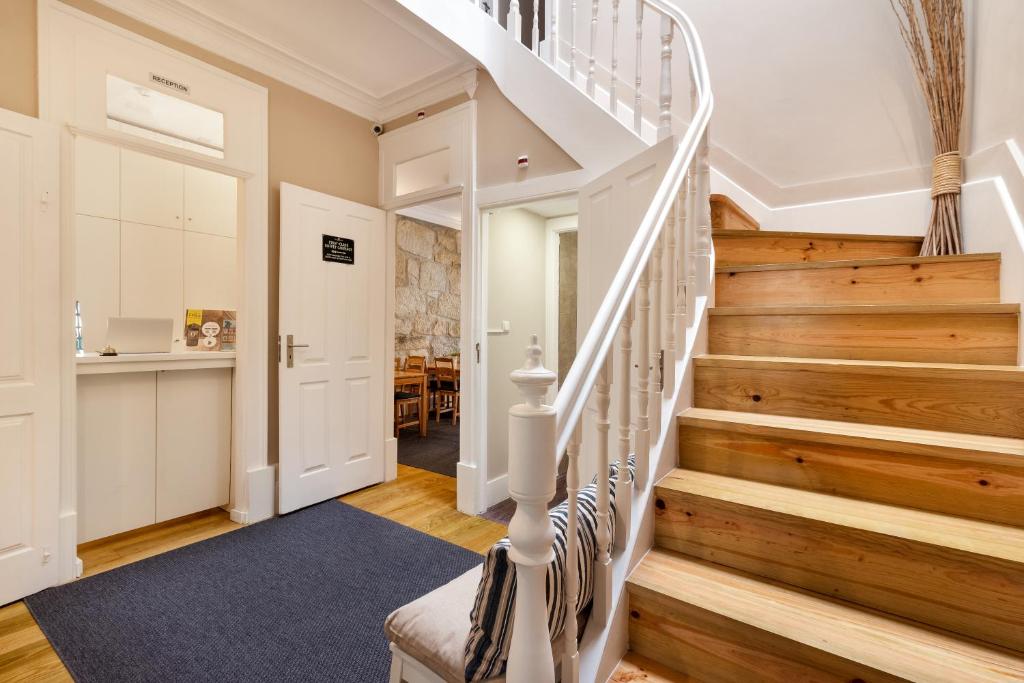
x=29 y=355
x=331 y=392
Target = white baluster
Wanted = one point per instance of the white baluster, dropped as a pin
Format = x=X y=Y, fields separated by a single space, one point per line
x=572 y=43
x=655 y=360
x=553 y=34
x=638 y=119
x=623 y=490
x=592 y=68
x=703 y=246
x=531 y=480
x=682 y=300
x=665 y=87
x=603 y=565
x=571 y=658
x=643 y=378
x=690 y=286
x=613 y=98
x=535 y=34
x=514 y=20
x=671 y=231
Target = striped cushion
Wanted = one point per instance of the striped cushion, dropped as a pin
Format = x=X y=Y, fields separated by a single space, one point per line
x=491 y=619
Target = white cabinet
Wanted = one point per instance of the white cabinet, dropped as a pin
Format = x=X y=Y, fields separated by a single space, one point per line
x=152 y=446
x=97 y=179
x=152 y=190
x=193 y=447
x=211 y=271
x=152 y=273
x=116 y=453
x=211 y=202
x=97 y=276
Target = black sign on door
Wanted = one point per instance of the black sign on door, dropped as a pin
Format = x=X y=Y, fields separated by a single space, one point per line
x=339 y=249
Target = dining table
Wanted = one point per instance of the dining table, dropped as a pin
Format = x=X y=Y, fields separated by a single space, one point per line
x=404 y=378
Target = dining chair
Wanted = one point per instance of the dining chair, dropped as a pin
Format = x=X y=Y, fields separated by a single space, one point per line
x=416 y=363
x=446 y=394
x=407 y=405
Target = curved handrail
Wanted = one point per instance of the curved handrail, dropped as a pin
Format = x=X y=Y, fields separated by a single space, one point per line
x=583 y=373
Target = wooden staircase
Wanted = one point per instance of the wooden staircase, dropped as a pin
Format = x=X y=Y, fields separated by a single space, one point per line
x=849 y=498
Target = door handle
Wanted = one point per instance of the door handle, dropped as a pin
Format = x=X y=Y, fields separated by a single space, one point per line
x=292 y=345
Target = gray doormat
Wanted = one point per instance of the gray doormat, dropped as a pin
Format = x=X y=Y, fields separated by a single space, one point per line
x=296 y=598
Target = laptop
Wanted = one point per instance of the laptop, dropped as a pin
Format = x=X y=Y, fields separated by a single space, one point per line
x=140 y=335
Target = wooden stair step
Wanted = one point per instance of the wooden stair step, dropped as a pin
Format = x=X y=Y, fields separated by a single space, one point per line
x=979 y=477
x=723 y=626
x=967 y=278
x=636 y=668
x=974 y=399
x=743 y=247
x=728 y=215
x=984 y=334
x=961 y=575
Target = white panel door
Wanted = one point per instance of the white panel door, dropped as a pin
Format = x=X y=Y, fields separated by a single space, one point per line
x=152 y=190
x=211 y=202
x=332 y=395
x=97 y=276
x=29 y=355
x=611 y=208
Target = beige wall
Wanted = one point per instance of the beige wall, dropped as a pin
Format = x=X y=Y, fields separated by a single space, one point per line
x=503 y=133
x=312 y=143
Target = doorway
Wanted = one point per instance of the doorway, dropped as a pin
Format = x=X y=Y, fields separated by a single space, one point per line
x=531 y=276
x=428 y=329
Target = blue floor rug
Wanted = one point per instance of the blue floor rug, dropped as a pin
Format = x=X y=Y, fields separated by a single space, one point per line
x=297 y=598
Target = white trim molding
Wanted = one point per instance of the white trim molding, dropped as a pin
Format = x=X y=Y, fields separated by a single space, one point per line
x=187 y=19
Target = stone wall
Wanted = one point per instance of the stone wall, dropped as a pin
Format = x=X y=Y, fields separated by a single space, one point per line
x=428 y=272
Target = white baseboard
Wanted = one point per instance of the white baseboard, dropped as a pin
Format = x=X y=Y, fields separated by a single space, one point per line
x=390 y=459
x=262 y=485
x=70 y=565
x=497 y=491
x=466 y=498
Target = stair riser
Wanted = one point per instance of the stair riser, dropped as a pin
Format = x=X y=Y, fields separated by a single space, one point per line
x=977 y=338
x=974 y=595
x=968 y=401
x=715 y=649
x=917 y=283
x=749 y=251
x=727 y=215
x=972 y=484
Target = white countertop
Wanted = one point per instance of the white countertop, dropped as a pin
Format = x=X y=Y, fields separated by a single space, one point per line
x=93 y=363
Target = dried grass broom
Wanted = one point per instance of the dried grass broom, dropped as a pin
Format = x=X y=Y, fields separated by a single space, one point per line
x=934 y=33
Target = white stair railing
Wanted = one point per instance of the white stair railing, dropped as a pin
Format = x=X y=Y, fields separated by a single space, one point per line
x=651 y=301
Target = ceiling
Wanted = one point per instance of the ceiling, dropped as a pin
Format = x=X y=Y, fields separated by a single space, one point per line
x=362 y=55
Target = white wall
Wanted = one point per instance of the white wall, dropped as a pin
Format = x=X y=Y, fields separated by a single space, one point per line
x=516 y=269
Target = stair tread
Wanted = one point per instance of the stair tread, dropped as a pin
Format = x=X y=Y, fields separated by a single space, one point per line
x=868 y=309
x=635 y=668
x=972 y=536
x=860 y=237
x=851 y=263
x=833 y=431
x=1003 y=371
x=887 y=644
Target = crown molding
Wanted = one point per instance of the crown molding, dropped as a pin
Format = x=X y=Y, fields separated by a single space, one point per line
x=186 y=20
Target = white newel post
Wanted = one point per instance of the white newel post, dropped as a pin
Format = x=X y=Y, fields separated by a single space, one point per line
x=531 y=475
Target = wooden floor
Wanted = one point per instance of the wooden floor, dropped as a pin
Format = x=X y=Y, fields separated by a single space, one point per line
x=419 y=499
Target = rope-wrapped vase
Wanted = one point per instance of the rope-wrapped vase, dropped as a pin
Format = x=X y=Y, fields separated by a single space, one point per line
x=934 y=33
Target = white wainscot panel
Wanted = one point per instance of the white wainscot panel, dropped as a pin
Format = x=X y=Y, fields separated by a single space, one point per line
x=97 y=179
x=15 y=483
x=97 y=276
x=211 y=271
x=193 y=451
x=152 y=190
x=116 y=453
x=151 y=273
